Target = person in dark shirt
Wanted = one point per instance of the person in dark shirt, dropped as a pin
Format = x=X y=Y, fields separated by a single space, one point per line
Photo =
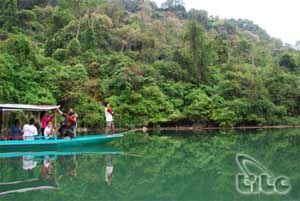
x=16 y=130
x=67 y=129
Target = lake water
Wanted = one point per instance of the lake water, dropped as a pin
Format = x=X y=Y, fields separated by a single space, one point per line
x=163 y=166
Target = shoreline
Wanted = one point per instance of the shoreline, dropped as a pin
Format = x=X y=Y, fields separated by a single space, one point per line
x=178 y=128
x=192 y=128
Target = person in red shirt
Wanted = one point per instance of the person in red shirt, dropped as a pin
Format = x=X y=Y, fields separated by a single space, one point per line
x=45 y=118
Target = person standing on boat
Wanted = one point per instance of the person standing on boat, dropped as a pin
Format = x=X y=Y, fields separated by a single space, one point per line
x=109 y=119
x=67 y=128
x=63 y=123
x=45 y=118
x=29 y=130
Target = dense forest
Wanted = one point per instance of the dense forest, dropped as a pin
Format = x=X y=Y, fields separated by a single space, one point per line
x=159 y=66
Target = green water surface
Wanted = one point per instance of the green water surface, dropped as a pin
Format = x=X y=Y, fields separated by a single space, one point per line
x=162 y=166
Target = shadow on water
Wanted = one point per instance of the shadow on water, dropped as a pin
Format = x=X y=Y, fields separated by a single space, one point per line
x=159 y=166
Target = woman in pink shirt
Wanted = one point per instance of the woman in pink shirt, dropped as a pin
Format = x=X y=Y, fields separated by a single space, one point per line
x=45 y=118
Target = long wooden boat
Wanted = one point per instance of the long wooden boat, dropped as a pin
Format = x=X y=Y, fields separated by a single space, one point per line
x=56 y=143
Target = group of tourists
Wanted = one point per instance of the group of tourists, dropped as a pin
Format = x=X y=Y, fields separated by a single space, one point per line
x=67 y=128
x=48 y=130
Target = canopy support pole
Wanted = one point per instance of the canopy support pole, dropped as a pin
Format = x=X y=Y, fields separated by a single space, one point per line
x=1 y=114
x=55 y=119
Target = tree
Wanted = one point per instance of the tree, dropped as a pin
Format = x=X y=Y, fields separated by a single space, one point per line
x=221 y=48
x=58 y=40
x=25 y=18
x=89 y=39
x=200 y=48
x=59 y=19
x=297 y=45
x=8 y=14
x=176 y=6
x=29 y=4
x=21 y=48
x=172 y=4
x=200 y=16
x=288 y=61
x=74 y=47
x=79 y=8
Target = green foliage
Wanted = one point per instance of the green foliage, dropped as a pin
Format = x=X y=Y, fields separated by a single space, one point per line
x=90 y=112
x=74 y=48
x=223 y=117
x=20 y=47
x=200 y=49
x=59 y=19
x=7 y=89
x=59 y=40
x=200 y=16
x=172 y=4
x=60 y=54
x=222 y=50
x=248 y=25
x=26 y=15
x=157 y=66
x=89 y=39
x=8 y=15
x=37 y=95
x=284 y=90
x=288 y=61
x=198 y=106
x=171 y=70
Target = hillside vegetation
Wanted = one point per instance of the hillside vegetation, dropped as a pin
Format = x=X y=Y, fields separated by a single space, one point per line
x=156 y=66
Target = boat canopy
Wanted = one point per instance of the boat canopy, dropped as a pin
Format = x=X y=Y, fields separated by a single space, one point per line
x=11 y=107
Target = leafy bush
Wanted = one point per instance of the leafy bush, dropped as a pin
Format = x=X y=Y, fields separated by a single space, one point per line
x=21 y=48
x=74 y=47
x=60 y=54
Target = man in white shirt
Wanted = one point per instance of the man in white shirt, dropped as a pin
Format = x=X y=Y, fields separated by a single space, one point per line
x=29 y=130
x=109 y=119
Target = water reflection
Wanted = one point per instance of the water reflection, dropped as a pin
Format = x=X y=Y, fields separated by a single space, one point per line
x=25 y=176
x=68 y=166
x=30 y=171
x=109 y=169
x=28 y=162
x=179 y=166
x=47 y=167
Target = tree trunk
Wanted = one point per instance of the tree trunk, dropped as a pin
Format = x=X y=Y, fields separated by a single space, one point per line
x=254 y=72
x=78 y=28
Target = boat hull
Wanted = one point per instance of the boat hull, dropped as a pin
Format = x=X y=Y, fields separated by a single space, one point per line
x=58 y=143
